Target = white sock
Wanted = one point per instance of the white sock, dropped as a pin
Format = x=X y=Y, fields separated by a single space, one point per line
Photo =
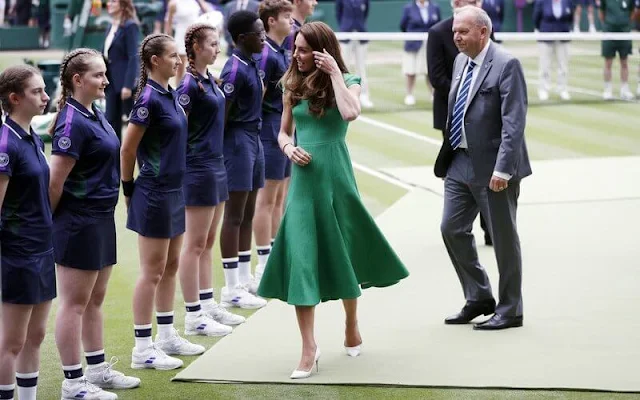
x=143 y=336
x=206 y=297
x=72 y=372
x=6 y=389
x=193 y=309
x=624 y=86
x=27 y=385
x=244 y=266
x=165 y=324
x=231 y=274
x=263 y=255
x=607 y=85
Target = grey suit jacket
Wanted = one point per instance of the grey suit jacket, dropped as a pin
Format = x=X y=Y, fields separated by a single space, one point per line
x=495 y=119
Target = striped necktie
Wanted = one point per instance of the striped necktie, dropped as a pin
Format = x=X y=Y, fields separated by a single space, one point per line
x=455 y=133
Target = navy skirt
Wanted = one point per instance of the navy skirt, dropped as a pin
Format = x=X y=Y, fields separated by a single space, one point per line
x=156 y=214
x=205 y=184
x=84 y=242
x=28 y=280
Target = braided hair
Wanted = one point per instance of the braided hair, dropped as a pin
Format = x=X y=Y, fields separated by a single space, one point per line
x=195 y=34
x=75 y=62
x=152 y=45
x=13 y=80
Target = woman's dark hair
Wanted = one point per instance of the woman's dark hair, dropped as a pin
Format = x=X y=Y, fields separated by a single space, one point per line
x=314 y=86
x=13 y=80
x=75 y=62
x=195 y=34
x=152 y=45
x=128 y=12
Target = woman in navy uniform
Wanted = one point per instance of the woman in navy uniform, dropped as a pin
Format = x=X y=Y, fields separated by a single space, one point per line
x=273 y=63
x=243 y=156
x=417 y=16
x=120 y=50
x=553 y=16
x=495 y=11
x=157 y=134
x=84 y=190
x=28 y=267
x=205 y=184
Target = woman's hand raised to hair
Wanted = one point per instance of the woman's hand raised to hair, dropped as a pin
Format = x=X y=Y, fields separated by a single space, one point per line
x=326 y=63
x=297 y=154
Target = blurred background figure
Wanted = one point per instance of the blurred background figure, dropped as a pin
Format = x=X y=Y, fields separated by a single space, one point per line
x=158 y=25
x=616 y=17
x=495 y=11
x=229 y=9
x=520 y=5
x=180 y=15
x=352 y=17
x=121 y=53
x=417 y=16
x=553 y=16
x=577 y=16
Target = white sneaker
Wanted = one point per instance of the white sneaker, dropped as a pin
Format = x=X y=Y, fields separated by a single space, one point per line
x=576 y=28
x=105 y=377
x=592 y=29
x=365 y=102
x=253 y=285
x=626 y=94
x=564 y=95
x=73 y=389
x=153 y=357
x=177 y=345
x=203 y=324
x=607 y=94
x=543 y=95
x=240 y=297
x=638 y=91
x=409 y=100
x=223 y=316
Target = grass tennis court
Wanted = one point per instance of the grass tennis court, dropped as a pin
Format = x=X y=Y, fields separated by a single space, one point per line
x=584 y=127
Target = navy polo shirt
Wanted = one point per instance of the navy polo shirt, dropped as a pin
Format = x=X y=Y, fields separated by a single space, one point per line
x=242 y=87
x=163 y=148
x=26 y=212
x=206 y=117
x=290 y=41
x=273 y=63
x=94 y=182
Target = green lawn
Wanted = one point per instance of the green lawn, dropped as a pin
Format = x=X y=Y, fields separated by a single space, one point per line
x=584 y=127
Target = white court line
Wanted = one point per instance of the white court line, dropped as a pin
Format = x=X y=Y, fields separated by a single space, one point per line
x=384 y=177
x=401 y=131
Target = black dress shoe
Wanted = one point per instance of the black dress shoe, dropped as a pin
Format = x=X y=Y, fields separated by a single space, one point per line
x=499 y=322
x=470 y=311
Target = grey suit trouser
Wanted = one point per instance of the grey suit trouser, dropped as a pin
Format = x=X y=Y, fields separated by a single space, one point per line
x=462 y=202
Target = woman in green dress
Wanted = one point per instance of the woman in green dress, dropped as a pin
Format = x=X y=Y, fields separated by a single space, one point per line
x=328 y=246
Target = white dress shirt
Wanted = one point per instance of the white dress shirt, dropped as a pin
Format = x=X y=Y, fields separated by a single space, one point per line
x=109 y=40
x=478 y=60
x=424 y=11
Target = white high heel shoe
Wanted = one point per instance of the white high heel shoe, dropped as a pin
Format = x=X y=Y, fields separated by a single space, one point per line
x=298 y=374
x=353 y=351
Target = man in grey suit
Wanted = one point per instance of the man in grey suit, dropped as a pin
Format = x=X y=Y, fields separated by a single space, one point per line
x=488 y=158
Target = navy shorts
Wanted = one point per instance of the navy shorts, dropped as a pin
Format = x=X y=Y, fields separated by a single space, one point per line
x=206 y=185
x=277 y=165
x=28 y=279
x=156 y=214
x=586 y=3
x=244 y=161
x=84 y=242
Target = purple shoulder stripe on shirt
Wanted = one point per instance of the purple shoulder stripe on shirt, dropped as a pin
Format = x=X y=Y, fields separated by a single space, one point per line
x=265 y=56
x=185 y=84
x=234 y=70
x=67 y=121
x=146 y=93
x=3 y=139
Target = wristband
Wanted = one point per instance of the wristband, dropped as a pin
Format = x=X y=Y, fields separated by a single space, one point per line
x=283 y=147
x=127 y=188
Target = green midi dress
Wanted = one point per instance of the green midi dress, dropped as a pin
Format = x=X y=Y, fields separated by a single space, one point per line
x=328 y=246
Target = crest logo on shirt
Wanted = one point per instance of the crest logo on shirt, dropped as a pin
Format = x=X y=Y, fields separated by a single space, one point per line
x=4 y=160
x=261 y=74
x=142 y=113
x=184 y=99
x=228 y=87
x=64 y=143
